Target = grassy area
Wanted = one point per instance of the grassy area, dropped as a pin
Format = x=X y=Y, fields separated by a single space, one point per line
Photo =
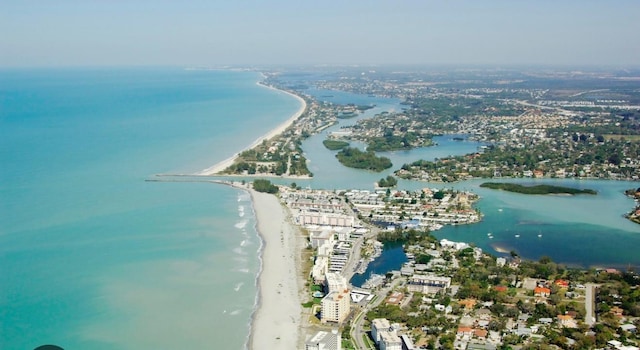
x=313 y=319
x=620 y=137
x=347 y=344
x=367 y=340
x=310 y=303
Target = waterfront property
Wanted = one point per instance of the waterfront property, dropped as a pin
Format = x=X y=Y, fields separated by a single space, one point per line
x=336 y=306
x=335 y=282
x=386 y=337
x=323 y=340
x=428 y=284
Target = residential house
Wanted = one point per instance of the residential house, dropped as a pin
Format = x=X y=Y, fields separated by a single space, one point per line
x=542 y=292
x=567 y=321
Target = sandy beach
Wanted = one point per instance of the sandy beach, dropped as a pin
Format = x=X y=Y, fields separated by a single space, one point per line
x=217 y=168
x=277 y=320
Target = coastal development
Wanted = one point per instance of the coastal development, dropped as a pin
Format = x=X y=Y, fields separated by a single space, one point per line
x=392 y=175
x=449 y=295
x=527 y=132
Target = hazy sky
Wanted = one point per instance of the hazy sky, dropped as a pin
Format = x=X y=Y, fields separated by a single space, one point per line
x=214 y=32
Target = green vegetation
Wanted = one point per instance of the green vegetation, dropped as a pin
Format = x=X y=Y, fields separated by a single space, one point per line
x=354 y=158
x=346 y=115
x=390 y=181
x=390 y=142
x=273 y=157
x=634 y=215
x=633 y=193
x=538 y=189
x=479 y=278
x=439 y=195
x=262 y=185
x=409 y=237
x=365 y=107
x=335 y=145
x=241 y=167
x=632 y=138
x=310 y=303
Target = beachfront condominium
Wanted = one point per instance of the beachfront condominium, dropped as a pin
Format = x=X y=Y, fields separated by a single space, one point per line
x=336 y=306
x=335 y=282
x=378 y=325
x=384 y=335
x=324 y=341
x=389 y=340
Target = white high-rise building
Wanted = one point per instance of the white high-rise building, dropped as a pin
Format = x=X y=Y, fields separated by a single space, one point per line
x=325 y=341
x=378 y=325
x=389 y=340
x=335 y=282
x=385 y=336
x=336 y=306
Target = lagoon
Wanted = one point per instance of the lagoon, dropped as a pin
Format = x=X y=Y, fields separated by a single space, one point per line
x=580 y=231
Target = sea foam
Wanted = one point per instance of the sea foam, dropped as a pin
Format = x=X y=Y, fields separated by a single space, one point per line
x=241 y=224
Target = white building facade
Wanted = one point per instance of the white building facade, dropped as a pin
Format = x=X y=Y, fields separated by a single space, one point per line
x=428 y=284
x=336 y=306
x=325 y=341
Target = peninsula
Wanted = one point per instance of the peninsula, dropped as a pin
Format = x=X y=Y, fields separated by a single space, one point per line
x=536 y=189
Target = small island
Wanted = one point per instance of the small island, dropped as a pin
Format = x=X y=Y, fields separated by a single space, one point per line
x=334 y=145
x=537 y=189
x=355 y=158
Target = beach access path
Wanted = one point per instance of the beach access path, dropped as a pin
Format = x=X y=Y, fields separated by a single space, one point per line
x=276 y=323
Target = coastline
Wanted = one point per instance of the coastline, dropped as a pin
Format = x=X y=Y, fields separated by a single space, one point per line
x=276 y=320
x=220 y=166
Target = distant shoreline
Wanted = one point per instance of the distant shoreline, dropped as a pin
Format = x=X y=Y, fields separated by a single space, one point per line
x=541 y=189
x=217 y=168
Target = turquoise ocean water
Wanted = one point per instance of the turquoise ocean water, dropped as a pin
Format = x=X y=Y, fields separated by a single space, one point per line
x=94 y=257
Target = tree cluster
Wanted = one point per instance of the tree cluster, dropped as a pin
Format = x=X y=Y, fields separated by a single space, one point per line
x=266 y=186
x=355 y=158
x=389 y=181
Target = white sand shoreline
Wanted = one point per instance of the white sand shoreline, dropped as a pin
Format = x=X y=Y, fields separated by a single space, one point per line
x=276 y=321
x=220 y=166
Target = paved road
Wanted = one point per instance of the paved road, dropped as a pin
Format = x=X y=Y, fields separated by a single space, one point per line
x=590 y=303
x=356 y=331
x=356 y=327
